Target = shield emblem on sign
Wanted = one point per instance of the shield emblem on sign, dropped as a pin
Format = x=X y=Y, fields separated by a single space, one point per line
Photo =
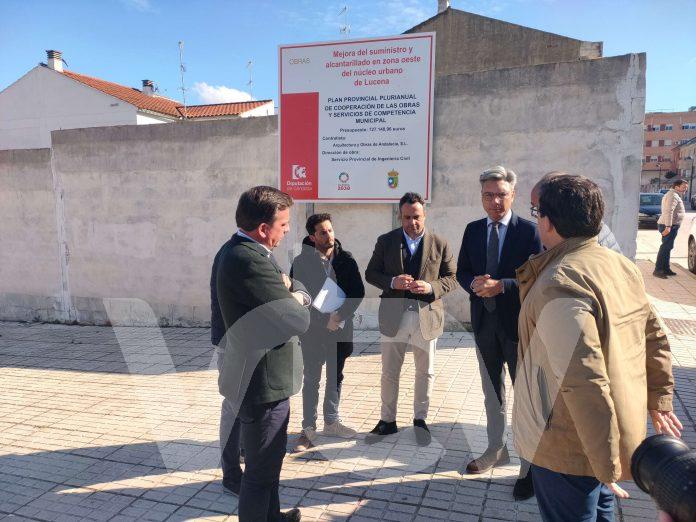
x=393 y=179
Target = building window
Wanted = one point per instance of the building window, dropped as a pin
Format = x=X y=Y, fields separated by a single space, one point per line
x=668 y=127
x=656 y=127
x=668 y=143
x=653 y=158
x=687 y=126
x=661 y=143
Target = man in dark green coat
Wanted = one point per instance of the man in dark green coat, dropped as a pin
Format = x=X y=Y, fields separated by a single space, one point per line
x=263 y=312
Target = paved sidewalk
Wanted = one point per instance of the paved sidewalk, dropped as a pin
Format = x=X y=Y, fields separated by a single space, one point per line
x=122 y=424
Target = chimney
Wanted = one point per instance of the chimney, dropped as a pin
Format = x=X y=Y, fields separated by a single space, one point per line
x=55 y=60
x=148 y=88
x=442 y=5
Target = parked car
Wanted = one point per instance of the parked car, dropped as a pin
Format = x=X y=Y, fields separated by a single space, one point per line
x=650 y=208
x=691 y=256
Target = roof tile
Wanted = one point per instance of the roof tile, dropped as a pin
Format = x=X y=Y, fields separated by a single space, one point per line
x=162 y=105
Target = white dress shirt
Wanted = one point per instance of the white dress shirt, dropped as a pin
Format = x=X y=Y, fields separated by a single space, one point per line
x=413 y=243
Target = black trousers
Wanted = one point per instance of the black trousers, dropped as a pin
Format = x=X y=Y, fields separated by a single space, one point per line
x=494 y=349
x=265 y=436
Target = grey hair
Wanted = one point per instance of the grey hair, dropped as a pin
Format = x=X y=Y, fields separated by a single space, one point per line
x=499 y=173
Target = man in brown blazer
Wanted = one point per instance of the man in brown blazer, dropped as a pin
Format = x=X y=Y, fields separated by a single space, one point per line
x=414 y=268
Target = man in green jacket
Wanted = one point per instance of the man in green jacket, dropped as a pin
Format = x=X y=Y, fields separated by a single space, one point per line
x=263 y=312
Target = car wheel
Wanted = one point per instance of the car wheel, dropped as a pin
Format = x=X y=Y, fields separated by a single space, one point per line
x=692 y=255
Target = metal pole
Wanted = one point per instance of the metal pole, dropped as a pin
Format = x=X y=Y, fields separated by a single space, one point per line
x=182 y=70
x=691 y=179
x=659 y=177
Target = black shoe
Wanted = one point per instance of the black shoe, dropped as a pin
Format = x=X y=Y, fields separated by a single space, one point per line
x=660 y=273
x=380 y=431
x=489 y=459
x=423 y=436
x=292 y=515
x=524 y=488
x=670 y=273
x=232 y=486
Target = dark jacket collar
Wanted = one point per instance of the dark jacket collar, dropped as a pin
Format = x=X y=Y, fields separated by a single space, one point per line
x=249 y=243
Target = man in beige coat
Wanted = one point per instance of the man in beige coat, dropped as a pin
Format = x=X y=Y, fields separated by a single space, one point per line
x=414 y=268
x=592 y=361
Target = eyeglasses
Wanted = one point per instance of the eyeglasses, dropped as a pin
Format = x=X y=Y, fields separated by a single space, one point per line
x=534 y=211
x=490 y=196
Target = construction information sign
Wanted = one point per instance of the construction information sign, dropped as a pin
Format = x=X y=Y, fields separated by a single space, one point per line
x=356 y=118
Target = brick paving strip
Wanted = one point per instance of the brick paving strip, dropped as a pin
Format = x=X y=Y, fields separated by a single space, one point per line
x=122 y=424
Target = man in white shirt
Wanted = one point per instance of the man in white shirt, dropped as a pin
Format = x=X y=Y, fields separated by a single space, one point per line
x=668 y=226
x=414 y=268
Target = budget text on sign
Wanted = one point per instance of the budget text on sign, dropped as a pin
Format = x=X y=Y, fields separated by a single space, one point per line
x=356 y=118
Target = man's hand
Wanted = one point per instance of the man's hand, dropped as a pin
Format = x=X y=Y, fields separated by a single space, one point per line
x=666 y=231
x=666 y=422
x=298 y=297
x=617 y=490
x=420 y=287
x=402 y=282
x=334 y=321
x=287 y=281
x=484 y=286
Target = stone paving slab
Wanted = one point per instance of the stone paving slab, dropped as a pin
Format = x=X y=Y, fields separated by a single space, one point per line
x=122 y=424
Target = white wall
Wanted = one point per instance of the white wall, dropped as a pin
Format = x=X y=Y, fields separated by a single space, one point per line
x=148 y=119
x=44 y=100
x=140 y=210
x=264 y=110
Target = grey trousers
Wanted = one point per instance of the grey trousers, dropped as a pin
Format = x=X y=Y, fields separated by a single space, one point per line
x=494 y=349
x=408 y=337
x=230 y=435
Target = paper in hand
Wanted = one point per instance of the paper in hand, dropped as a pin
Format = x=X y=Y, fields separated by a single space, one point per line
x=330 y=297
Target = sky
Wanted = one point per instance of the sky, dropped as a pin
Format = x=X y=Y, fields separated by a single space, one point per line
x=126 y=41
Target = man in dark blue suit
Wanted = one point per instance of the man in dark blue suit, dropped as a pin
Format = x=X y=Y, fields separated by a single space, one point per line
x=492 y=250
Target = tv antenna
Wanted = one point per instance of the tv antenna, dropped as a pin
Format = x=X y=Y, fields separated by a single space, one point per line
x=250 y=83
x=182 y=70
x=345 y=28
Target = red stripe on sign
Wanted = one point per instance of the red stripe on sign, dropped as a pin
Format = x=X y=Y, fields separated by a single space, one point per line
x=299 y=145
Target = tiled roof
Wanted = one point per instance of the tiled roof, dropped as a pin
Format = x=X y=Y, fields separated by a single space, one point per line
x=161 y=104
x=221 y=109
x=129 y=94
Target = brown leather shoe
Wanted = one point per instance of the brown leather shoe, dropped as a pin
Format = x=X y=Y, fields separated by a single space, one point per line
x=489 y=459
